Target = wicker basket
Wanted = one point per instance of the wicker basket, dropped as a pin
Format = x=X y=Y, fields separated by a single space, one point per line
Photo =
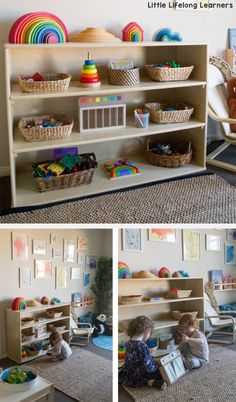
x=165 y=117
x=179 y=294
x=168 y=74
x=45 y=133
x=178 y=314
x=179 y=159
x=132 y=299
x=67 y=180
x=124 y=78
x=48 y=85
x=123 y=325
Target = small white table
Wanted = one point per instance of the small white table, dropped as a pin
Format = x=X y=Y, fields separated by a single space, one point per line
x=42 y=392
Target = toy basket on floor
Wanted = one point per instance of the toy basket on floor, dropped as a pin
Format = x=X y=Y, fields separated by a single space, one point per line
x=182 y=113
x=178 y=314
x=178 y=294
x=67 y=180
x=124 y=77
x=168 y=74
x=182 y=156
x=39 y=133
x=53 y=82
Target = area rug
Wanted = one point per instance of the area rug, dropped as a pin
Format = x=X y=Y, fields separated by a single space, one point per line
x=203 y=199
x=84 y=376
x=213 y=383
x=103 y=342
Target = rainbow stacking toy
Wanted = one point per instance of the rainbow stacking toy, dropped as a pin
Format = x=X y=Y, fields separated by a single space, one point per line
x=38 y=27
x=132 y=33
x=123 y=271
x=18 y=303
x=120 y=168
x=121 y=351
x=89 y=75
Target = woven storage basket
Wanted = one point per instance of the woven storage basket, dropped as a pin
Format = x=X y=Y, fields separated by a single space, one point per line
x=182 y=158
x=165 y=117
x=168 y=74
x=178 y=314
x=171 y=294
x=48 y=85
x=124 y=78
x=66 y=180
x=45 y=133
x=130 y=299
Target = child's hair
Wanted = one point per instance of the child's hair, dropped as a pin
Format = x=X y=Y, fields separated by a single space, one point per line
x=55 y=336
x=186 y=321
x=139 y=326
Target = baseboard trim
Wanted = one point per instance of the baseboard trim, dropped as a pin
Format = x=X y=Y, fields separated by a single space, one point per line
x=4 y=171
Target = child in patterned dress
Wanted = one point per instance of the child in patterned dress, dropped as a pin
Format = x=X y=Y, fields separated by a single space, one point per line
x=140 y=368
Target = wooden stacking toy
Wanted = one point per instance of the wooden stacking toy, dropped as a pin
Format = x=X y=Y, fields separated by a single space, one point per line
x=18 y=303
x=94 y=35
x=89 y=76
x=132 y=33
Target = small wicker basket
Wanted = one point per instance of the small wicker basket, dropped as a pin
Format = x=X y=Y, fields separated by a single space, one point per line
x=48 y=85
x=179 y=294
x=179 y=159
x=132 y=299
x=124 y=78
x=45 y=133
x=182 y=113
x=178 y=314
x=67 y=180
x=168 y=74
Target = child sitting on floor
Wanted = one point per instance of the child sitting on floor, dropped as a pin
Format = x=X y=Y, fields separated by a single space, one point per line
x=139 y=367
x=193 y=345
x=60 y=348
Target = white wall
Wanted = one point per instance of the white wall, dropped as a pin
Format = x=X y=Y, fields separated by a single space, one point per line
x=155 y=255
x=210 y=26
x=99 y=244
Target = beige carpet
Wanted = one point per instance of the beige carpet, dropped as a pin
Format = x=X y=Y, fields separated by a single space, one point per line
x=203 y=199
x=84 y=376
x=214 y=383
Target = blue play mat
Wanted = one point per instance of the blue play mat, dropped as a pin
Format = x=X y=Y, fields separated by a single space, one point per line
x=103 y=341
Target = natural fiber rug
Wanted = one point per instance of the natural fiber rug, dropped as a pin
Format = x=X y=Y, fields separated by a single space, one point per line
x=84 y=376
x=202 y=199
x=213 y=383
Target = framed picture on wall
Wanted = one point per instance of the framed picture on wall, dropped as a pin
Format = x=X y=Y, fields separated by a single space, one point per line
x=61 y=277
x=82 y=243
x=165 y=235
x=132 y=239
x=43 y=268
x=40 y=247
x=91 y=262
x=75 y=273
x=213 y=242
x=229 y=254
x=81 y=259
x=25 y=275
x=231 y=234
x=57 y=253
x=20 y=246
x=86 y=279
x=53 y=239
x=69 y=250
x=191 y=246
x=232 y=38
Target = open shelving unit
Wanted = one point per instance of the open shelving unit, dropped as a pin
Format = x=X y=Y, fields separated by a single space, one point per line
x=15 y=328
x=160 y=311
x=129 y=142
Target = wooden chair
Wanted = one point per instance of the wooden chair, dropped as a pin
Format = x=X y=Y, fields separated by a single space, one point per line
x=218 y=74
x=80 y=331
x=217 y=321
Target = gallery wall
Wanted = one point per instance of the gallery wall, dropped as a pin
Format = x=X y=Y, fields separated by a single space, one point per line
x=99 y=243
x=210 y=26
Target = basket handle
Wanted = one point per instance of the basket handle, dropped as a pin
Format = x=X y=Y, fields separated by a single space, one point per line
x=189 y=147
x=148 y=145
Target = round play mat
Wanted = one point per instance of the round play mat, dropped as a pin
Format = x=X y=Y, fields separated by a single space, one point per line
x=103 y=342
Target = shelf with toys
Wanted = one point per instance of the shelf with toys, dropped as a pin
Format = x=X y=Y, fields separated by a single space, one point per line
x=69 y=58
x=28 y=328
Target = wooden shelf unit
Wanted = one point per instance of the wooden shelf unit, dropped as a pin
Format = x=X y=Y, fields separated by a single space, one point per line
x=129 y=142
x=15 y=328
x=160 y=312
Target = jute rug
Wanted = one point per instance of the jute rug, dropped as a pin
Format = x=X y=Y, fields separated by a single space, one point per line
x=84 y=376
x=214 y=383
x=203 y=199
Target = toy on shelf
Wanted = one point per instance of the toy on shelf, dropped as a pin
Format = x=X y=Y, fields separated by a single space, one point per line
x=180 y=274
x=164 y=273
x=94 y=35
x=120 y=168
x=38 y=27
x=121 y=351
x=89 y=75
x=33 y=303
x=55 y=300
x=143 y=274
x=45 y=300
x=18 y=303
x=166 y=35
x=123 y=271
x=132 y=32
x=141 y=117
x=101 y=112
